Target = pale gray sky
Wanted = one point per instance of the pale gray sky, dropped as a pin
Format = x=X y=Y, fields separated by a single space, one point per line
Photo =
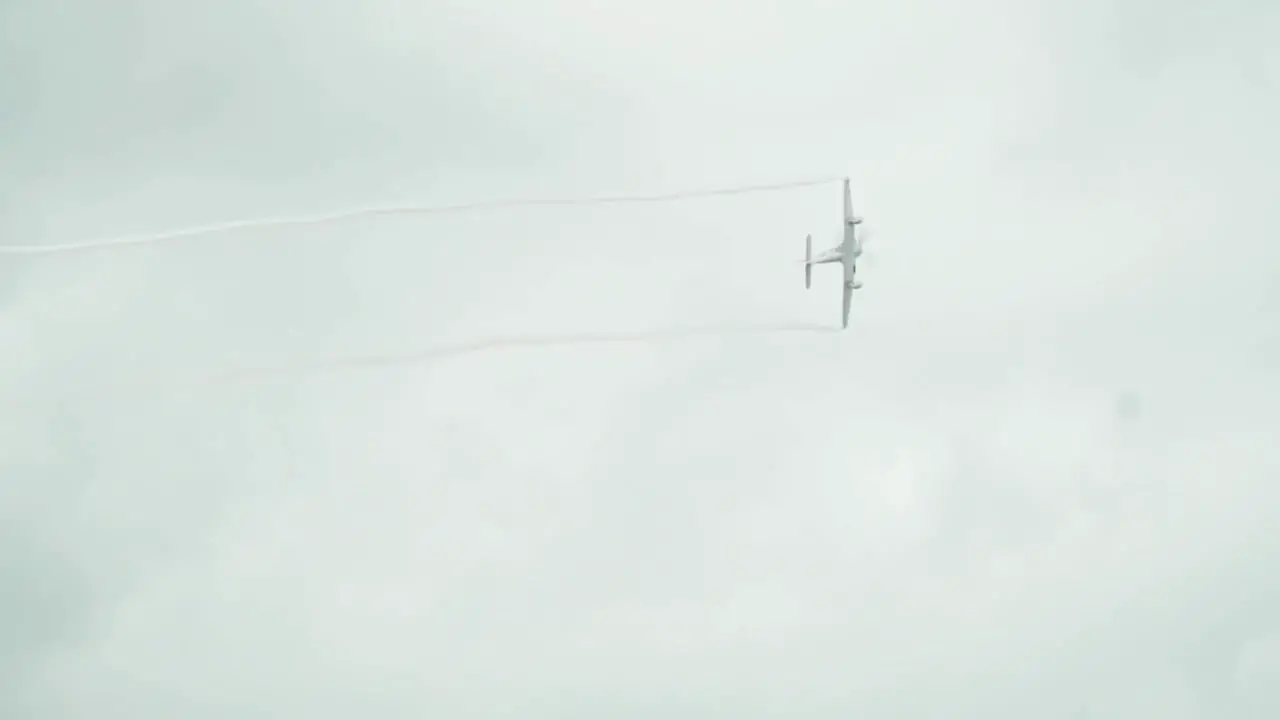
x=1034 y=479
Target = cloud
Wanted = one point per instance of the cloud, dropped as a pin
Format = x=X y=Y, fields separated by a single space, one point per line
x=1033 y=478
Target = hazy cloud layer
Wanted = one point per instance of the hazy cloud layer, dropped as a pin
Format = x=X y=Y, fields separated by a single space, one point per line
x=1035 y=478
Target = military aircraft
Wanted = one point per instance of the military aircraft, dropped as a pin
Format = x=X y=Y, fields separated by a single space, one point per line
x=846 y=253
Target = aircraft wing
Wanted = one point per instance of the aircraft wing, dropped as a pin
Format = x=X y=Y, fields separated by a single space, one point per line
x=848 y=300
x=848 y=204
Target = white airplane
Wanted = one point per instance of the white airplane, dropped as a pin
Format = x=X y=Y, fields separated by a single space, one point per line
x=846 y=253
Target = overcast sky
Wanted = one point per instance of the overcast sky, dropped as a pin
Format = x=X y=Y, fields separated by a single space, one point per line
x=1035 y=478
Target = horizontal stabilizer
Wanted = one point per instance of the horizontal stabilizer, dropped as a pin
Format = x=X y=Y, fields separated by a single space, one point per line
x=808 y=258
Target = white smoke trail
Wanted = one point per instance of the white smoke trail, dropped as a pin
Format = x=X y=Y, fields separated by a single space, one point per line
x=228 y=227
x=444 y=351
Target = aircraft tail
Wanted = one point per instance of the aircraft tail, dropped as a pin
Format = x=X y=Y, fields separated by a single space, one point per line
x=808 y=258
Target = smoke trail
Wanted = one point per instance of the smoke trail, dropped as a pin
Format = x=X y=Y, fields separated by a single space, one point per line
x=386 y=211
x=446 y=351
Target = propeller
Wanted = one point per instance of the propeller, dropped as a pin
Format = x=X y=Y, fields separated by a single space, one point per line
x=867 y=239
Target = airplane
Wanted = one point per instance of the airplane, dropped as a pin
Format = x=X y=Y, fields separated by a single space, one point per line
x=846 y=253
